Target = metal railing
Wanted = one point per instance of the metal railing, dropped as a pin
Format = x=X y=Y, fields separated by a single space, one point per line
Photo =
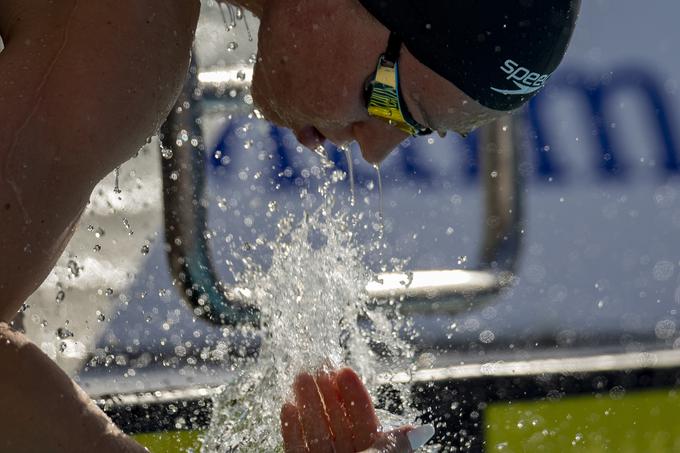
x=184 y=164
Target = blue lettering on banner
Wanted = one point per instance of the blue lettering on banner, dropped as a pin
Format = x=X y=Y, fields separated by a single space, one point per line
x=596 y=100
x=597 y=97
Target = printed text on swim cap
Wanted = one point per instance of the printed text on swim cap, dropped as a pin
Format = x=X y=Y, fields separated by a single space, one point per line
x=525 y=80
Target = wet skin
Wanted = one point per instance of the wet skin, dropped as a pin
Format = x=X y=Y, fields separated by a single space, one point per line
x=311 y=70
x=78 y=96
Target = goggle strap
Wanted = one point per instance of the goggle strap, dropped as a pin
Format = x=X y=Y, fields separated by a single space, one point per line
x=393 y=48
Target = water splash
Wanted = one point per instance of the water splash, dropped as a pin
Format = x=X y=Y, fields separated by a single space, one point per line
x=381 y=201
x=350 y=168
x=314 y=310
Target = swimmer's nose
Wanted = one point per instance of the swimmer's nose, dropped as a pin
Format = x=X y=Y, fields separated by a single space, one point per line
x=377 y=139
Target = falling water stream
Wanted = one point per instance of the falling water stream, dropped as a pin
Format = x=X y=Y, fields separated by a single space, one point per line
x=350 y=169
x=381 y=213
x=314 y=313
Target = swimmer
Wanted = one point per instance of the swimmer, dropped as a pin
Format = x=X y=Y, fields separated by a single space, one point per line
x=84 y=84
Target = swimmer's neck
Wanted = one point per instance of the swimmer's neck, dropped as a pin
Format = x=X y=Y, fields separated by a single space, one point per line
x=254 y=6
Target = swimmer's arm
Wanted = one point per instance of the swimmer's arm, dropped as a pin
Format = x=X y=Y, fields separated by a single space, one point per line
x=82 y=85
x=42 y=410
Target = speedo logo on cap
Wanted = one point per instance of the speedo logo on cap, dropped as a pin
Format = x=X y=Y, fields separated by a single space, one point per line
x=525 y=80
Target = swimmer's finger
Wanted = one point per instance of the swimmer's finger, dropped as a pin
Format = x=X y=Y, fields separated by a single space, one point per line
x=312 y=414
x=291 y=429
x=339 y=423
x=359 y=408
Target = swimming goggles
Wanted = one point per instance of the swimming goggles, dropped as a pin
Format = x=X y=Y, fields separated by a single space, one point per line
x=383 y=96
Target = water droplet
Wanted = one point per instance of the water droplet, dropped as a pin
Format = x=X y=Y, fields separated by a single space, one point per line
x=486 y=336
x=241 y=75
x=100 y=316
x=61 y=295
x=126 y=224
x=63 y=333
x=577 y=438
x=116 y=185
x=145 y=250
x=97 y=248
x=233 y=45
x=665 y=329
x=74 y=268
x=109 y=291
x=663 y=270
x=617 y=392
x=462 y=260
x=166 y=153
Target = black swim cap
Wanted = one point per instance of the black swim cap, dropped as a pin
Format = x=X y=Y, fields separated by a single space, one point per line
x=499 y=52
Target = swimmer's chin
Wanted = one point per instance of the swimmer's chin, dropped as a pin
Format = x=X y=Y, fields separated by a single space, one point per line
x=309 y=137
x=374 y=157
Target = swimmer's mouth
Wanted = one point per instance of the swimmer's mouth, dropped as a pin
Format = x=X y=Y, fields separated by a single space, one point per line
x=310 y=137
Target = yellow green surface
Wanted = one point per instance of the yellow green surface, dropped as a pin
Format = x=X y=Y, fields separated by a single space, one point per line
x=170 y=442
x=647 y=421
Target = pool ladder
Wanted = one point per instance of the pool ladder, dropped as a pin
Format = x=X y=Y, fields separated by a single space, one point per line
x=449 y=290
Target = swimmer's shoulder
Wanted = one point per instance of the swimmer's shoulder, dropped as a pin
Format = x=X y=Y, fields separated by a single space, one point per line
x=175 y=17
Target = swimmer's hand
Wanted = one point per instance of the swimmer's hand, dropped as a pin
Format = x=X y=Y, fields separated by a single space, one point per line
x=345 y=422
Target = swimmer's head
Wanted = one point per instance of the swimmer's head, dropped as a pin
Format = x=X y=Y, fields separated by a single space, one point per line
x=460 y=65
